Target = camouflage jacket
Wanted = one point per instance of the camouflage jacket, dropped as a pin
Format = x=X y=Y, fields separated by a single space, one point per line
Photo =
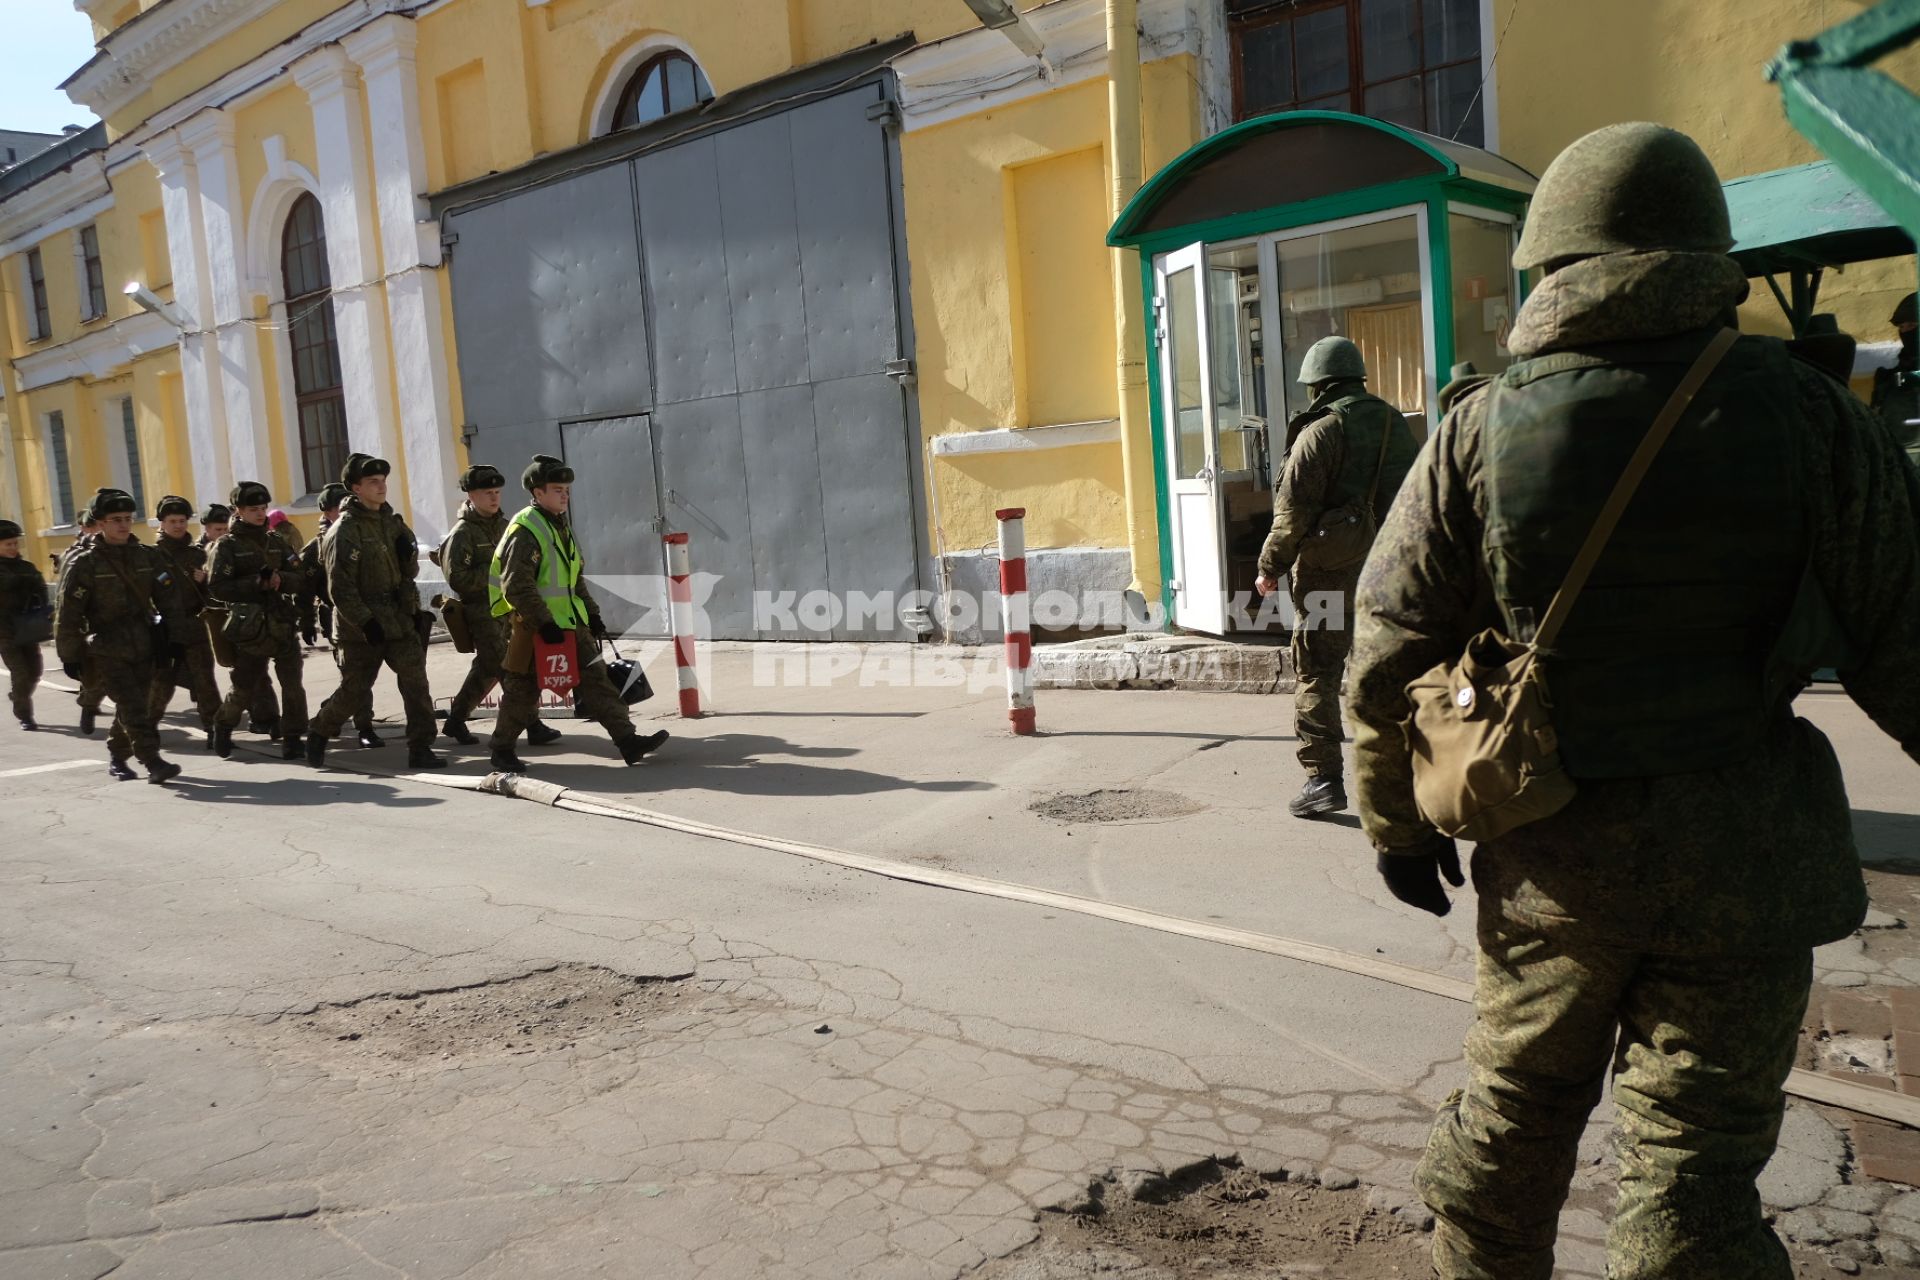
x=108 y=598
x=1331 y=463
x=185 y=557
x=21 y=588
x=239 y=559
x=1755 y=856
x=467 y=556
x=371 y=559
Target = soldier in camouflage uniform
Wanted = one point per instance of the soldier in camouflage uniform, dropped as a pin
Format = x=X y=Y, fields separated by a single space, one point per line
x=254 y=572
x=194 y=668
x=1896 y=391
x=1659 y=927
x=316 y=609
x=91 y=689
x=120 y=612
x=23 y=593
x=466 y=557
x=371 y=559
x=1344 y=465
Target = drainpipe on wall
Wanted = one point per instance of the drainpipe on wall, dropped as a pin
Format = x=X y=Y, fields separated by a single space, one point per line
x=1136 y=437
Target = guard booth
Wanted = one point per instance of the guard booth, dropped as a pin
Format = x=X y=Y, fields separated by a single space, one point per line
x=1262 y=240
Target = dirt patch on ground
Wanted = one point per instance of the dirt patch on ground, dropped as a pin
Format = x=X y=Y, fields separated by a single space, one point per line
x=545 y=1011
x=1114 y=806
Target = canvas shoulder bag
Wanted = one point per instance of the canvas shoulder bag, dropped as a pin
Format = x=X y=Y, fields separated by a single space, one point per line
x=1485 y=756
x=1345 y=534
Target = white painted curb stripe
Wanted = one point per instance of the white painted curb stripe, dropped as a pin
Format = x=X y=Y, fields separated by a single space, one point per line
x=51 y=768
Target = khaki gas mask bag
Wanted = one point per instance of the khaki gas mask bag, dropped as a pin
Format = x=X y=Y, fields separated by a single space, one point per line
x=1485 y=756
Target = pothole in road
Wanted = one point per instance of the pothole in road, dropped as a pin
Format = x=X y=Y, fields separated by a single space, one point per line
x=543 y=1011
x=1218 y=1222
x=1114 y=805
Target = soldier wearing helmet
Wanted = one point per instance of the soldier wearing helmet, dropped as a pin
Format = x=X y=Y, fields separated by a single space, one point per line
x=1342 y=468
x=1896 y=391
x=1659 y=928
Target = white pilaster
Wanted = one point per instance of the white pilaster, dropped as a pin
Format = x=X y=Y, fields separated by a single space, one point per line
x=339 y=131
x=411 y=246
x=209 y=136
x=199 y=357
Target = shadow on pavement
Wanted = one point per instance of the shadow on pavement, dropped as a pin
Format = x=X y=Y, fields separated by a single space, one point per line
x=1884 y=838
x=1214 y=739
x=738 y=763
x=302 y=792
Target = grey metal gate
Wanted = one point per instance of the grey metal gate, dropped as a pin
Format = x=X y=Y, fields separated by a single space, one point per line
x=743 y=291
x=616 y=518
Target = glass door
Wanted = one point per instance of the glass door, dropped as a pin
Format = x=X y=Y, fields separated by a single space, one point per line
x=1192 y=441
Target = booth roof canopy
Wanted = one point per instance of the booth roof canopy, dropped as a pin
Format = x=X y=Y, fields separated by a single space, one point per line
x=1811 y=215
x=1294 y=157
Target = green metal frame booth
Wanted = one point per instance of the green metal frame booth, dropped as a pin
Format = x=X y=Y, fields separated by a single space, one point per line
x=1282 y=190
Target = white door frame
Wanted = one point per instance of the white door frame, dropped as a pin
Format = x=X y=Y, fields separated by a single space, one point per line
x=1194 y=516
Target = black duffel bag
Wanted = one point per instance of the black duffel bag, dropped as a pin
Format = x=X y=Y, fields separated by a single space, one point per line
x=629 y=681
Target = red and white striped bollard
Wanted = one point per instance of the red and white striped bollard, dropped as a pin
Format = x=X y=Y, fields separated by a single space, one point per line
x=680 y=607
x=1014 y=617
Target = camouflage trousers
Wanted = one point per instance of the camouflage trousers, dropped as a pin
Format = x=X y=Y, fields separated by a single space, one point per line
x=489 y=655
x=93 y=686
x=253 y=683
x=595 y=698
x=1698 y=1048
x=195 y=670
x=24 y=665
x=128 y=681
x=360 y=663
x=1322 y=639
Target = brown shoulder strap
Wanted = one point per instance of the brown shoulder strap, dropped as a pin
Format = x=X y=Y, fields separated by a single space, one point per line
x=145 y=598
x=1629 y=482
x=1380 y=463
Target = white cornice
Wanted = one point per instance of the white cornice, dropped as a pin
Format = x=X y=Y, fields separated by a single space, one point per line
x=979 y=70
x=151 y=45
x=1024 y=439
x=97 y=354
x=26 y=216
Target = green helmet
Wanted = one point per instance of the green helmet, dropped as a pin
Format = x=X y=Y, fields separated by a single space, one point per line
x=1332 y=360
x=1623 y=189
x=1908 y=312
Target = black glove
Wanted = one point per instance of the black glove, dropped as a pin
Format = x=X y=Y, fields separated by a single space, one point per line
x=405 y=547
x=374 y=632
x=550 y=632
x=72 y=669
x=266 y=572
x=598 y=630
x=1413 y=875
x=311 y=635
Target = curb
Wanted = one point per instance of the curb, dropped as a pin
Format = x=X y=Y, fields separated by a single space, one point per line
x=1164 y=662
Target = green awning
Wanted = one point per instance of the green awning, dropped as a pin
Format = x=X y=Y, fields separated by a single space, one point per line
x=1811 y=215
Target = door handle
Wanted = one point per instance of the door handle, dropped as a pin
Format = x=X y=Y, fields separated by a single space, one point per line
x=1205 y=474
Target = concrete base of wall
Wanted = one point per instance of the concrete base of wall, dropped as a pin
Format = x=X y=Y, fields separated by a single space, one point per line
x=1147 y=660
x=1086 y=586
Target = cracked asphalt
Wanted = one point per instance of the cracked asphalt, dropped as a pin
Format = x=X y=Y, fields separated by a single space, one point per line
x=862 y=1078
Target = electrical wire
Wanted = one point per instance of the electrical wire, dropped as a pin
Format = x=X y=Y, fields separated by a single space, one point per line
x=1492 y=63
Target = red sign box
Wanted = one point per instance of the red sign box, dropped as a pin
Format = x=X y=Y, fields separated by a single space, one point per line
x=557 y=666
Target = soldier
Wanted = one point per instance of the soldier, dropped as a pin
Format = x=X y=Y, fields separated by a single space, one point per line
x=538 y=583
x=256 y=575
x=188 y=564
x=371 y=560
x=215 y=521
x=467 y=559
x=1659 y=926
x=23 y=595
x=120 y=612
x=91 y=690
x=316 y=610
x=1896 y=391
x=1344 y=467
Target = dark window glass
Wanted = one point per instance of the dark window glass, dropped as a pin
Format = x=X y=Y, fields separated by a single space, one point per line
x=1320 y=51
x=1389 y=38
x=662 y=85
x=1455 y=103
x=62 y=470
x=96 y=273
x=1453 y=30
x=1266 y=68
x=318 y=399
x=1398 y=102
x=37 y=287
x=130 y=435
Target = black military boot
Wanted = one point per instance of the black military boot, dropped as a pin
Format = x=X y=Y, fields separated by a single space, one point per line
x=27 y=724
x=290 y=749
x=161 y=772
x=265 y=728
x=221 y=744
x=1320 y=795
x=425 y=758
x=368 y=738
x=120 y=770
x=502 y=760
x=89 y=720
x=542 y=734
x=456 y=728
x=636 y=747
x=316 y=750
x=209 y=728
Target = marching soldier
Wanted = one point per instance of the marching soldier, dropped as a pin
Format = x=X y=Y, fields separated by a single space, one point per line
x=1342 y=470
x=255 y=575
x=467 y=559
x=316 y=609
x=91 y=690
x=215 y=521
x=1658 y=929
x=538 y=583
x=120 y=612
x=188 y=564
x=1896 y=391
x=371 y=559
x=23 y=598
x=263 y=716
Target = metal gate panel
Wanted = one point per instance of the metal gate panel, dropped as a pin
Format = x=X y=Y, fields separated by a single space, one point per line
x=864 y=471
x=783 y=487
x=687 y=271
x=762 y=233
x=703 y=468
x=549 y=304
x=614 y=514
x=842 y=191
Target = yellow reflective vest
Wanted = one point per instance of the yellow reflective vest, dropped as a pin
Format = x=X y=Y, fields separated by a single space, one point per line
x=560 y=568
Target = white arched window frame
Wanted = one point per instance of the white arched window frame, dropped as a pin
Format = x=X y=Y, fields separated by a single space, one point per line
x=273 y=202
x=635 y=56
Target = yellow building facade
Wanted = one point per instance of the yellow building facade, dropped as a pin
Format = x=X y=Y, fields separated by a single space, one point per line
x=166 y=324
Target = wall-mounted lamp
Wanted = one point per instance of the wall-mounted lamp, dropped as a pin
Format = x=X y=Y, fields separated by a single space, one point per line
x=151 y=301
x=1001 y=16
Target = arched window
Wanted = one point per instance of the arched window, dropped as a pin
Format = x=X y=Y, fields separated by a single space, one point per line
x=321 y=405
x=663 y=84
